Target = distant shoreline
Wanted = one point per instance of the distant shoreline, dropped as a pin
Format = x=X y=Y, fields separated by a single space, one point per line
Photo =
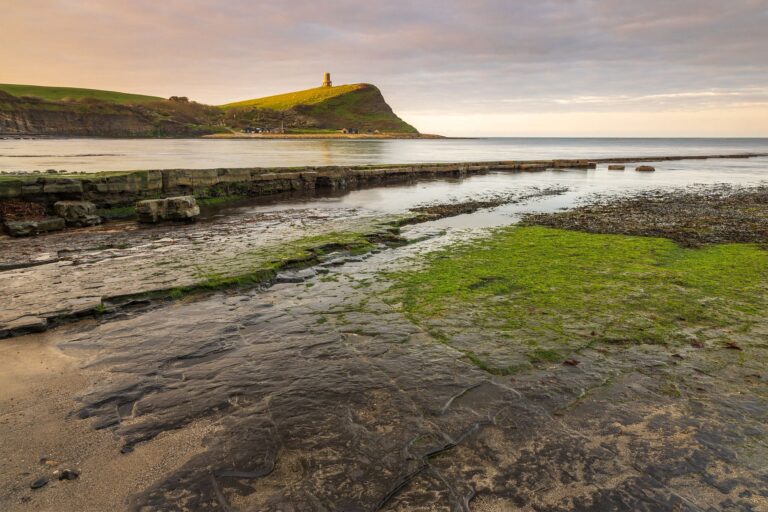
x=322 y=136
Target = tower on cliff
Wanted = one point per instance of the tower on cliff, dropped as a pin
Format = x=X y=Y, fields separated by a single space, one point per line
x=327 y=79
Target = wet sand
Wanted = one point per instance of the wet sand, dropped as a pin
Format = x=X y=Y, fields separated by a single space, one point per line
x=42 y=435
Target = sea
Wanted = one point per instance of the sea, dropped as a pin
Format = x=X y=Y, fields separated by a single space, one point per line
x=575 y=186
x=96 y=155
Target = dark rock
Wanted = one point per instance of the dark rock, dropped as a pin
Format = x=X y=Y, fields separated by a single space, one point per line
x=645 y=168
x=29 y=323
x=295 y=277
x=172 y=208
x=34 y=227
x=67 y=474
x=40 y=482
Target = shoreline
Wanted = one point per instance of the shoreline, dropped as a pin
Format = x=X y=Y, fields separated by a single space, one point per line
x=313 y=136
x=148 y=404
x=123 y=188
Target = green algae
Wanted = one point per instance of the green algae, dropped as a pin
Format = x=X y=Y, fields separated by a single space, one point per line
x=546 y=293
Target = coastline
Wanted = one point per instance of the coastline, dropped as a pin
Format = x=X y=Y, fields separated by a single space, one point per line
x=146 y=395
x=312 y=136
x=116 y=189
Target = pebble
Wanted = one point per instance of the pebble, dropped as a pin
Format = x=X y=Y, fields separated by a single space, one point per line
x=40 y=482
x=66 y=474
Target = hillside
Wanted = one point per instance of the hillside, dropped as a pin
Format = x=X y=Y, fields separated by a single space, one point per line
x=106 y=114
x=67 y=111
x=292 y=99
x=72 y=93
x=357 y=106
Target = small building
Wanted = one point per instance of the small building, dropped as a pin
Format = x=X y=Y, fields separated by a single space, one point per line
x=327 y=80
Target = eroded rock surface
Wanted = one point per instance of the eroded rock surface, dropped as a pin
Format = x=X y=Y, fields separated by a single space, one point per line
x=713 y=214
x=171 y=208
x=321 y=394
x=326 y=398
x=34 y=227
x=68 y=275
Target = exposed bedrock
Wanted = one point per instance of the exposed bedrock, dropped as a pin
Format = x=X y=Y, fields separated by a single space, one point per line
x=124 y=188
x=172 y=208
x=34 y=227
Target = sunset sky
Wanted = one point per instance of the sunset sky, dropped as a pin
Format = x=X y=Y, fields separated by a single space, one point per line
x=480 y=67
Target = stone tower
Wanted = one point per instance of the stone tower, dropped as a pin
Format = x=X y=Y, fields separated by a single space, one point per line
x=327 y=79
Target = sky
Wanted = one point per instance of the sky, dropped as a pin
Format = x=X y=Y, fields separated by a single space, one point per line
x=472 y=68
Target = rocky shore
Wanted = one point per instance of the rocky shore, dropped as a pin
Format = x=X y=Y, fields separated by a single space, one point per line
x=124 y=188
x=692 y=217
x=323 y=356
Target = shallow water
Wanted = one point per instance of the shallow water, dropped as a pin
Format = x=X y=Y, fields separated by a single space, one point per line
x=580 y=185
x=93 y=155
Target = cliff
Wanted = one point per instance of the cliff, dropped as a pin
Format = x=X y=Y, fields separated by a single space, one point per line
x=56 y=111
x=104 y=118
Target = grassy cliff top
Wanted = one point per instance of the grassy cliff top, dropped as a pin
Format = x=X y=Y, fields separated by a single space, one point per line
x=292 y=99
x=62 y=93
x=355 y=106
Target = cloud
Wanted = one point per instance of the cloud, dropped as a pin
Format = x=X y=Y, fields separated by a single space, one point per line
x=449 y=56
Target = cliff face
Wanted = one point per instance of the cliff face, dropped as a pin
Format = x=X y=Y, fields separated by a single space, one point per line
x=48 y=122
x=93 y=118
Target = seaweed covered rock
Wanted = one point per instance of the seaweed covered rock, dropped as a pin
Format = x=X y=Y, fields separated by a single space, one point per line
x=34 y=227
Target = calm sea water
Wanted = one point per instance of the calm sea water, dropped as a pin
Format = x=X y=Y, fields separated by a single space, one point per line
x=93 y=155
x=580 y=185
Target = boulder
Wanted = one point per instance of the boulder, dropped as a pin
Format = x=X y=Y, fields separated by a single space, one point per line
x=77 y=213
x=10 y=189
x=34 y=227
x=615 y=167
x=645 y=168
x=171 y=208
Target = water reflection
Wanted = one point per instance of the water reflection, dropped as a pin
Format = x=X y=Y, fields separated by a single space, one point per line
x=93 y=155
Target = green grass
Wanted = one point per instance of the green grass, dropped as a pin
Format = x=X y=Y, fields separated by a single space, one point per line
x=291 y=99
x=218 y=200
x=546 y=292
x=63 y=93
x=119 y=212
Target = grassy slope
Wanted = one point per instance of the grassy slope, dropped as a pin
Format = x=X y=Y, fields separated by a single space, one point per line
x=345 y=106
x=61 y=93
x=363 y=108
x=548 y=292
x=292 y=99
